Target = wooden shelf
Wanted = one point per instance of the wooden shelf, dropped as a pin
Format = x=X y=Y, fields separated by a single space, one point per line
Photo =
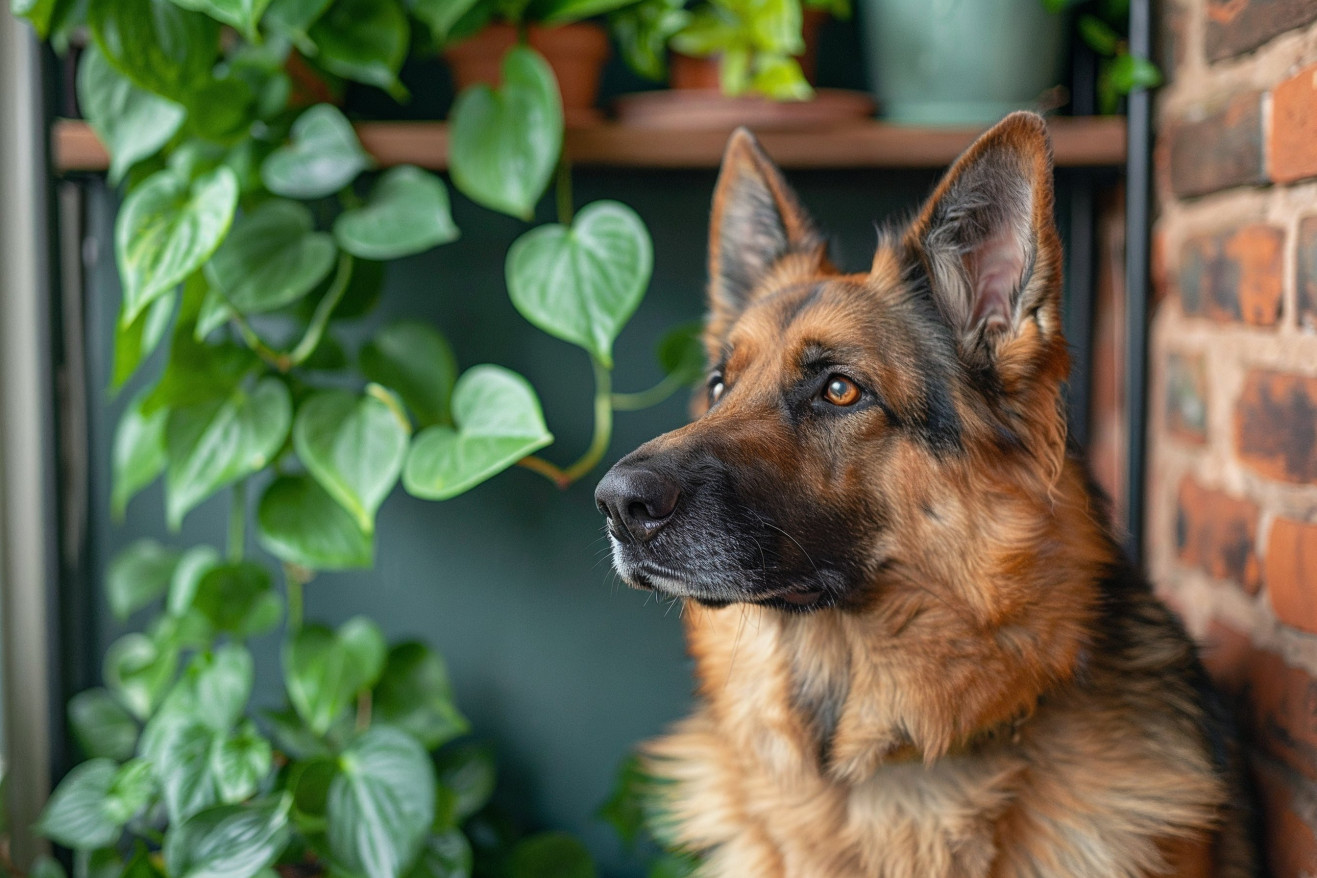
x=1077 y=142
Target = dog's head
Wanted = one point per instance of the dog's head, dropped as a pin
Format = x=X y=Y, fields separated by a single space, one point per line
x=861 y=430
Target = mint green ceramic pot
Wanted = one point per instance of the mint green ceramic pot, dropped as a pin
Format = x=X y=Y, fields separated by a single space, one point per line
x=960 y=62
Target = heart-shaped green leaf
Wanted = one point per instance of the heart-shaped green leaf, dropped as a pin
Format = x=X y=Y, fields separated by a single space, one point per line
x=415 y=361
x=271 y=259
x=132 y=123
x=195 y=563
x=300 y=523
x=218 y=441
x=293 y=18
x=439 y=16
x=238 y=599
x=159 y=45
x=138 y=575
x=241 y=763
x=166 y=229
x=447 y=855
x=469 y=772
x=135 y=340
x=139 y=670
x=364 y=40
x=322 y=157
x=228 y=841
x=381 y=803
x=354 y=446
x=506 y=141
x=414 y=694
x=101 y=725
x=324 y=670
x=241 y=14
x=138 y=454
x=582 y=284
x=407 y=212
x=81 y=813
x=498 y=422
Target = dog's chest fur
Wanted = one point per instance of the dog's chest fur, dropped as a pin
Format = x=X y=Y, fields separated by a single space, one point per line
x=773 y=778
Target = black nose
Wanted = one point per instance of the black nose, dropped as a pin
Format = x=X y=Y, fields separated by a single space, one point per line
x=637 y=501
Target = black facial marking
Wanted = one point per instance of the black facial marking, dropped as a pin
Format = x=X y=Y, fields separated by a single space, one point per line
x=941 y=426
x=795 y=308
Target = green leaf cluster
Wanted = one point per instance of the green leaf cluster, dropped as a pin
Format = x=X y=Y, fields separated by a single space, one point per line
x=1103 y=25
x=251 y=246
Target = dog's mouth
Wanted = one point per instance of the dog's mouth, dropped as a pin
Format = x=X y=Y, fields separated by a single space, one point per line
x=717 y=591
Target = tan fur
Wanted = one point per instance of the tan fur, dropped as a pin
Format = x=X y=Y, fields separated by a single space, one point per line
x=980 y=708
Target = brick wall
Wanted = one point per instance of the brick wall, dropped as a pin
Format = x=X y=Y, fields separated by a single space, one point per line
x=1232 y=489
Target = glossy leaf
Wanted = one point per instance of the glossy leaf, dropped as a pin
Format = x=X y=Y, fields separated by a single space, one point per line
x=583 y=283
x=381 y=804
x=447 y=855
x=46 y=866
x=498 y=422
x=415 y=361
x=293 y=18
x=439 y=16
x=138 y=575
x=355 y=448
x=167 y=228
x=414 y=694
x=566 y=11
x=506 y=141
x=238 y=599
x=271 y=259
x=300 y=523
x=157 y=44
x=195 y=563
x=363 y=40
x=324 y=670
x=131 y=122
x=137 y=456
x=468 y=771
x=81 y=813
x=139 y=671
x=219 y=441
x=228 y=841
x=322 y=156
x=101 y=725
x=135 y=340
x=241 y=14
x=407 y=212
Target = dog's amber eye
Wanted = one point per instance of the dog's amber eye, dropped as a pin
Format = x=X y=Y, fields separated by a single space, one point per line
x=716 y=388
x=841 y=391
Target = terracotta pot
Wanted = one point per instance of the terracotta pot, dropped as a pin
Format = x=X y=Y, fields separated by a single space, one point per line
x=576 y=52
x=702 y=73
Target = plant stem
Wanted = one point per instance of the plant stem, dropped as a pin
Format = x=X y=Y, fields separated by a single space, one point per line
x=563 y=190
x=316 y=330
x=363 y=710
x=277 y=360
x=643 y=399
x=238 y=521
x=295 y=579
x=603 y=432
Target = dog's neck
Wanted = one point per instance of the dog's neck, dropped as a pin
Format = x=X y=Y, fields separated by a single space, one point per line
x=914 y=674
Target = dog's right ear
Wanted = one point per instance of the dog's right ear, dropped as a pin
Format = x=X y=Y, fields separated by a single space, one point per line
x=757 y=222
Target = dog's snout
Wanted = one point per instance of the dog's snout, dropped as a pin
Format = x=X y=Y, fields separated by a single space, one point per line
x=637 y=502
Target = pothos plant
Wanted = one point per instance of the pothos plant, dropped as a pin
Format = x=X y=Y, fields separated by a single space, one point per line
x=247 y=236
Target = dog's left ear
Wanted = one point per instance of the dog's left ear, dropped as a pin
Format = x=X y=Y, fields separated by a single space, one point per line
x=988 y=242
x=756 y=224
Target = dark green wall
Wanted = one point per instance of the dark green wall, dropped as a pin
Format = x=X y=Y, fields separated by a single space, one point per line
x=557 y=663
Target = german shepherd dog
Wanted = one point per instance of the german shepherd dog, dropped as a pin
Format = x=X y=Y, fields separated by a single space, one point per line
x=919 y=650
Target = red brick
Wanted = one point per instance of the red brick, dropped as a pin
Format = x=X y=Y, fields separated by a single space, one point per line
x=1292 y=147
x=1172 y=39
x=1236 y=26
x=1281 y=711
x=1306 y=271
x=1289 y=844
x=1218 y=533
x=1291 y=573
x=1186 y=397
x=1220 y=151
x=1234 y=275
x=1276 y=425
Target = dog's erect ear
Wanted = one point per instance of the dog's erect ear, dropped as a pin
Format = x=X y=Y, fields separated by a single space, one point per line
x=988 y=241
x=756 y=222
